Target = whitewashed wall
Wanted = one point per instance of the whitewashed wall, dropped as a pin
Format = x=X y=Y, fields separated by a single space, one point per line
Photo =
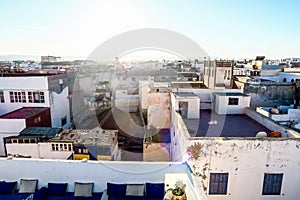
x=288 y=76
x=45 y=151
x=193 y=106
x=220 y=73
x=22 y=84
x=60 y=107
x=10 y=127
x=2 y=145
x=246 y=161
x=222 y=107
x=23 y=149
x=91 y=171
x=37 y=150
x=143 y=93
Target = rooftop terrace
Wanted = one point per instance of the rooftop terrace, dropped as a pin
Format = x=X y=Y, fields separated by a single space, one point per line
x=211 y=124
x=99 y=172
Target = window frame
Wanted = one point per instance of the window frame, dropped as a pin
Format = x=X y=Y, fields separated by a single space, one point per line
x=220 y=181
x=36 y=97
x=2 y=99
x=17 y=97
x=63 y=121
x=61 y=147
x=268 y=184
x=233 y=101
x=37 y=120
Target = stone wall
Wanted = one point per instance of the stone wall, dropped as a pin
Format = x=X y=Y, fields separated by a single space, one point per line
x=266 y=93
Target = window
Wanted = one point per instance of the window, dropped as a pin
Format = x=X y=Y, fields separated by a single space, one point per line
x=272 y=184
x=61 y=147
x=14 y=141
x=32 y=140
x=1 y=97
x=218 y=183
x=37 y=120
x=17 y=97
x=85 y=151
x=63 y=121
x=69 y=147
x=36 y=97
x=233 y=101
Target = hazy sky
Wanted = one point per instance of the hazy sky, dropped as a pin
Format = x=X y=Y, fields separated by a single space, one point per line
x=224 y=28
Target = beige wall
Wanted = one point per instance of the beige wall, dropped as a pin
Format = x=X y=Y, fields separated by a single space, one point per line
x=159 y=110
x=156 y=152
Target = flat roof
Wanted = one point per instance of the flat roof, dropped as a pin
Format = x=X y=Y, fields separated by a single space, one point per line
x=43 y=72
x=23 y=113
x=185 y=94
x=96 y=136
x=40 y=131
x=211 y=124
x=231 y=94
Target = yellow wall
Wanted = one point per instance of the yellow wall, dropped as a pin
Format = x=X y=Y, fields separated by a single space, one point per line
x=99 y=157
x=81 y=156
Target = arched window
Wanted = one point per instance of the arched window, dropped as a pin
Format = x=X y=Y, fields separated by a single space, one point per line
x=292 y=80
x=284 y=80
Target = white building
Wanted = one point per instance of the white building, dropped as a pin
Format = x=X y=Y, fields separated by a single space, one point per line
x=187 y=104
x=33 y=142
x=36 y=90
x=239 y=167
x=55 y=143
x=231 y=103
x=218 y=73
x=94 y=144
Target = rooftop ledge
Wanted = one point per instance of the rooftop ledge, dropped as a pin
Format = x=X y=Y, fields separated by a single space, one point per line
x=99 y=172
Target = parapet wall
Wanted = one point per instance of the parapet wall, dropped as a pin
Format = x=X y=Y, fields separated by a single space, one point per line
x=270 y=124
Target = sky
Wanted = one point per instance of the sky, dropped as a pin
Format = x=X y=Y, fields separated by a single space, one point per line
x=223 y=28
